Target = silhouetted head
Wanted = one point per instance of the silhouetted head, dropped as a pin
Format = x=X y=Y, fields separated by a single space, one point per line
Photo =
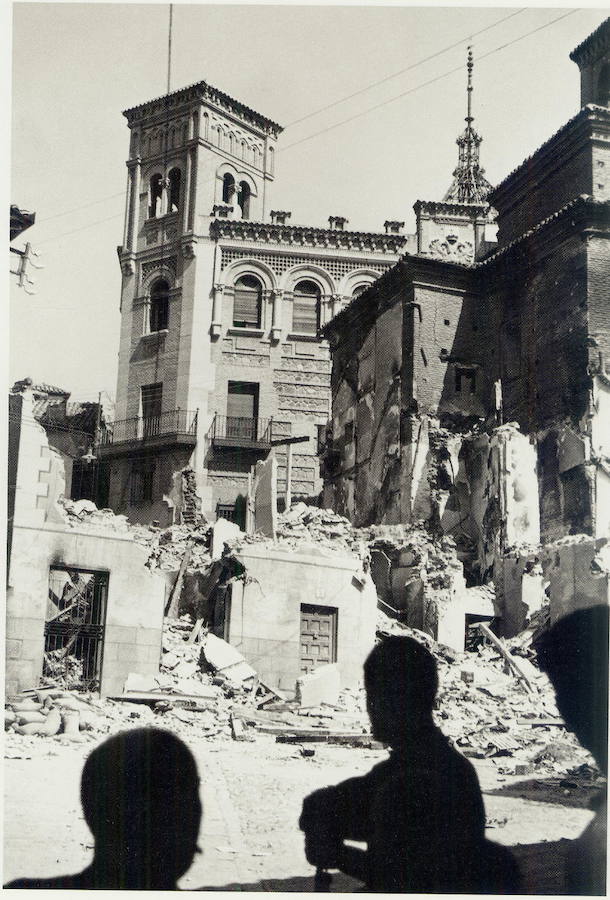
x=140 y=797
x=574 y=654
x=401 y=683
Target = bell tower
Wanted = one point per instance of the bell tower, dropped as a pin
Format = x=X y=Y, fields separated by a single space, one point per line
x=454 y=229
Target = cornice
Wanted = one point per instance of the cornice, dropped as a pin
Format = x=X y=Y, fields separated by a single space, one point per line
x=434 y=207
x=579 y=127
x=582 y=208
x=593 y=46
x=201 y=90
x=299 y=236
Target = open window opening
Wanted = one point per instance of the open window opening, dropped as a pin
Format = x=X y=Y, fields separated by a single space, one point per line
x=243 y=198
x=74 y=627
x=159 y=306
x=141 y=483
x=228 y=187
x=154 y=196
x=175 y=179
x=465 y=380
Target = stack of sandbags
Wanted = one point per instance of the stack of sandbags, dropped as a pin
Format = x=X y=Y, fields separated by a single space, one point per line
x=49 y=713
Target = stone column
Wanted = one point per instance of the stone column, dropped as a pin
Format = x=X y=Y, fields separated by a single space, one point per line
x=217 y=310
x=276 y=316
x=186 y=200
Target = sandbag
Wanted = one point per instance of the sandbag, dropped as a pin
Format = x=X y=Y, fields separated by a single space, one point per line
x=25 y=705
x=69 y=721
x=25 y=718
x=52 y=723
x=31 y=728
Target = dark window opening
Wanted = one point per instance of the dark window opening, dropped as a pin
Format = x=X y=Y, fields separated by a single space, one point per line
x=152 y=398
x=141 y=483
x=155 y=192
x=465 y=380
x=242 y=410
x=175 y=178
x=243 y=199
x=360 y=289
x=348 y=432
x=306 y=308
x=74 y=627
x=447 y=322
x=159 y=306
x=247 y=303
x=228 y=187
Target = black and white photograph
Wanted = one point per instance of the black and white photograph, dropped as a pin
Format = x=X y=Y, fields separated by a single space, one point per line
x=308 y=448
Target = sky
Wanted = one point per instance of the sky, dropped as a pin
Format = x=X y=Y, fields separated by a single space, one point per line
x=76 y=66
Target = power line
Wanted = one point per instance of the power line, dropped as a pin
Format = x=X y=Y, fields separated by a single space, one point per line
x=402 y=71
x=81 y=228
x=418 y=87
x=77 y=208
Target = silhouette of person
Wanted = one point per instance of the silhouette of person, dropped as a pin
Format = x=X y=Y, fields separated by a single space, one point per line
x=574 y=654
x=420 y=812
x=140 y=797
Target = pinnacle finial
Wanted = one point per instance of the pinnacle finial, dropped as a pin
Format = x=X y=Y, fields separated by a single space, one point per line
x=470 y=67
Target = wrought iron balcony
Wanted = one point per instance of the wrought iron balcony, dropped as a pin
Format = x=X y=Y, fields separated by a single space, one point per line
x=235 y=431
x=176 y=427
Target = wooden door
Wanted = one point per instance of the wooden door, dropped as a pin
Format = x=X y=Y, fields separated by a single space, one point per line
x=318 y=636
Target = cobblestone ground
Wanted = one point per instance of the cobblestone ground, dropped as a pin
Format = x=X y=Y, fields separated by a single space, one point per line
x=252 y=794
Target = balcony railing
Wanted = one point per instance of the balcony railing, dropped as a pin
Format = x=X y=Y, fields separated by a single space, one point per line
x=176 y=425
x=235 y=431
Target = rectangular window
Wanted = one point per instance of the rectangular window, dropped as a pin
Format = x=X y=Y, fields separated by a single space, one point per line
x=465 y=380
x=242 y=409
x=152 y=399
x=305 y=314
x=349 y=432
x=141 y=483
x=246 y=308
x=74 y=626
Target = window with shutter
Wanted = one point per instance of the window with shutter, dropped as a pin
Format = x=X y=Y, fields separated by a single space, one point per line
x=247 y=303
x=306 y=308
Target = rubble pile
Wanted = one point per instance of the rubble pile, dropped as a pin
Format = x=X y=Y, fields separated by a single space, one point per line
x=167 y=546
x=304 y=525
x=84 y=515
x=488 y=713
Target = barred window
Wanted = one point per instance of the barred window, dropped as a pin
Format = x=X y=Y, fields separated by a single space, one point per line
x=247 y=303
x=306 y=308
x=141 y=483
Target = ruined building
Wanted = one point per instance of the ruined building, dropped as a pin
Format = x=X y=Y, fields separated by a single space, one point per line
x=221 y=304
x=471 y=382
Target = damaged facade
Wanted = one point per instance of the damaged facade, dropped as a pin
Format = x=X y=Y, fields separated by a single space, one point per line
x=221 y=304
x=470 y=390
x=80 y=602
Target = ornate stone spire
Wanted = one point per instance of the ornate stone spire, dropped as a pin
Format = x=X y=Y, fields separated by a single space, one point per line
x=469 y=184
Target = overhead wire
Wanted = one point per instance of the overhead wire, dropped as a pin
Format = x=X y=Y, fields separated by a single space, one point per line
x=414 y=65
x=418 y=87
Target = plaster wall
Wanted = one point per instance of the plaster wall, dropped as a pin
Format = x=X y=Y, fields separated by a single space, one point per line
x=265 y=611
x=578 y=570
x=134 y=617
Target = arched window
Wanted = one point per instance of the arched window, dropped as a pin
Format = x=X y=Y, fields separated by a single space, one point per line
x=247 y=302
x=154 y=195
x=228 y=187
x=159 y=306
x=175 y=178
x=306 y=308
x=359 y=289
x=243 y=199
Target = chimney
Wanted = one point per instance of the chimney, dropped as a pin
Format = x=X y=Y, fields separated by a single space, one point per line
x=393 y=227
x=337 y=223
x=279 y=217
